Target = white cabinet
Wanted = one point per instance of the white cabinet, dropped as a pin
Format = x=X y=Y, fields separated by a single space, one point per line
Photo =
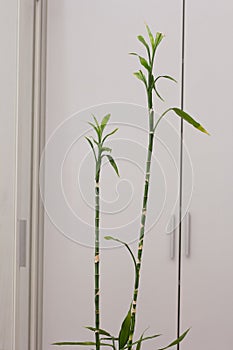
x=207 y=280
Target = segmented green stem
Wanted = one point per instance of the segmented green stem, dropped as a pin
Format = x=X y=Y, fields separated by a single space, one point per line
x=97 y=263
x=142 y=229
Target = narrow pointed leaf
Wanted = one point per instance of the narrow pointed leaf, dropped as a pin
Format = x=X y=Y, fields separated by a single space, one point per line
x=165 y=77
x=159 y=37
x=106 y=149
x=144 y=63
x=157 y=93
x=143 y=41
x=105 y=121
x=96 y=129
x=101 y=331
x=133 y=53
x=141 y=77
x=84 y=343
x=138 y=347
x=189 y=119
x=125 y=330
x=111 y=133
x=113 y=164
x=151 y=37
x=110 y=238
x=143 y=339
x=97 y=143
x=96 y=121
x=91 y=145
x=177 y=341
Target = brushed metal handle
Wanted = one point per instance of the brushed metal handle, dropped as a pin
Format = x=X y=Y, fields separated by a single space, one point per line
x=172 y=230
x=187 y=234
x=22 y=226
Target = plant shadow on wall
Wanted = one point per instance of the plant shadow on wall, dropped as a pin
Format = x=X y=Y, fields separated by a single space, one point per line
x=125 y=338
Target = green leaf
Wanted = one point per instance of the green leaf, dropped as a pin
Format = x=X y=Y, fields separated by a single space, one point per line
x=125 y=330
x=113 y=164
x=159 y=37
x=144 y=63
x=96 y=130
x=143 y=41
x=177 y=341
x=155 y=81
x=133 y=53
x=165 y=77
x=152 y=40
x=96 y=121
x=110 y=238
x=91 y=145
x=143 y=339
x=111 y=133
x=84 y=343
x=138 y=347
x=140 y=76
x=157 y=93
x=104 y=122
x=101 y=331
x=189 y=119
x=106 y=149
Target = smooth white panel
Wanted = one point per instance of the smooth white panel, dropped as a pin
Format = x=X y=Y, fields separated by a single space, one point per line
x=207 y=281
x=8 y=97
x=88 y=64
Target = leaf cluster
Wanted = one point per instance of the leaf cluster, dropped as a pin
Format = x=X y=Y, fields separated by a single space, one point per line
x=109 y=340
x=147 y=64
x=97 y=144
x=150 y=81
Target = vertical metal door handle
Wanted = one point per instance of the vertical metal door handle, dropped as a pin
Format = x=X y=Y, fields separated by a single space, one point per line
x=172 y=229
x=22 y=242
x=187 y=234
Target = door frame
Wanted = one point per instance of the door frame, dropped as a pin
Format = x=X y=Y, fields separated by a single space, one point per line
x=38 y=142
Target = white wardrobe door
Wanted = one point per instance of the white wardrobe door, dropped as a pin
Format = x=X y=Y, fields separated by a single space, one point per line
x=207 y=280
x=88 y=64
x=8 y=97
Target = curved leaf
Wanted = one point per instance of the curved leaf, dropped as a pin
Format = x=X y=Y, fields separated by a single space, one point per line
x=110 y=238
x=189 y=119
x=113 y=164
x=159 y=37
x=106 y=149
x=84 y=343
x=144 y=63
x=141 y=77
x=101 y=331
x=143 y=339
x=155 y=81
x=111 y=133
x=125 y=330
x=104 y=122
x=177 y=341
x=151 y=37
x=92 y=146
x=143 y=41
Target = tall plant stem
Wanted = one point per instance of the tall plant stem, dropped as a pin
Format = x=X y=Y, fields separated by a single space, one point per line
x=142 y=229
x=97 y=274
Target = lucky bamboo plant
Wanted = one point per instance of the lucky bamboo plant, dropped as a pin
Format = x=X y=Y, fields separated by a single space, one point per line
x=124 y=340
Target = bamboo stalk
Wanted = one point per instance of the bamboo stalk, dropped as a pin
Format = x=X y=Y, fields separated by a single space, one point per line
x=97 y=264
x=99 y=128
x=142 y=229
